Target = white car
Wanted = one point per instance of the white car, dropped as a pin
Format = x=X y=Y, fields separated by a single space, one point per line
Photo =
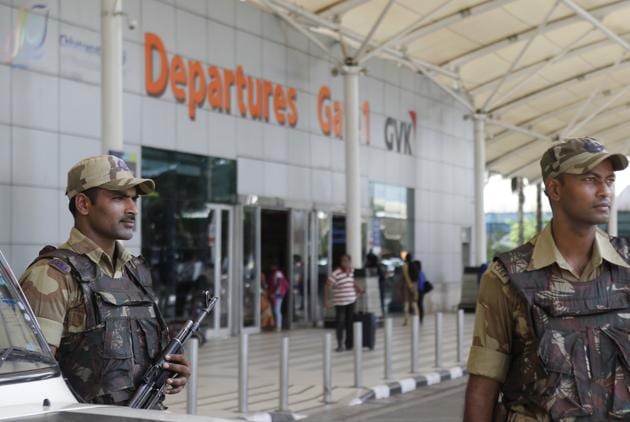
x=31 y=384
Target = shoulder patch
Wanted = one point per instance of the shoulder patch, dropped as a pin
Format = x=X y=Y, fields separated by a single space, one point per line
x=60 y=265
x=499 y=270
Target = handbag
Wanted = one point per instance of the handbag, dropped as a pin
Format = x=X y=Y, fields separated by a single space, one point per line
x=428 y=286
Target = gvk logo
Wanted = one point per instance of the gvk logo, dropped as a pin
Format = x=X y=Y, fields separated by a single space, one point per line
x=398 y=134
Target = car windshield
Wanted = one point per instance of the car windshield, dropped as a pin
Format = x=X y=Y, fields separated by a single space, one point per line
x=21 y=346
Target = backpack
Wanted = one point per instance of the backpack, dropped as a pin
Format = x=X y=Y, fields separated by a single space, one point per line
x=283 y=284
x=414 y=270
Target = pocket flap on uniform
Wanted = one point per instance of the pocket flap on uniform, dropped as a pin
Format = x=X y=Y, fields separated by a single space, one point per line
x=558 y=305
x=117 y=339
x=556 y=350
x=122 y=298
x=621 y=340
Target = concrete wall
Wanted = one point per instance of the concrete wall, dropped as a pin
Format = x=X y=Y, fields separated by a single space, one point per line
x=50 y=118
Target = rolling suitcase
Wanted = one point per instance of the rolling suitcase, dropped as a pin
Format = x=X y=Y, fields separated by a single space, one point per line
x=368 y=320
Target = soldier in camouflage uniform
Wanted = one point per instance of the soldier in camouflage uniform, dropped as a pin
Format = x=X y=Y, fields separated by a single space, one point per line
x=552 y=329
x=92 y=297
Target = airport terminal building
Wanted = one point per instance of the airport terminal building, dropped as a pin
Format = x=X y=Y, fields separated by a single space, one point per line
x=239 y=120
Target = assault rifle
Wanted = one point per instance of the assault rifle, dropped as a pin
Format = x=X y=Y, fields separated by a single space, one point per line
x=151 y=391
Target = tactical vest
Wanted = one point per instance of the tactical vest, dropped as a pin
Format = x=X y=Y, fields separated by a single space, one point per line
x=574 y=363
x=124 y=331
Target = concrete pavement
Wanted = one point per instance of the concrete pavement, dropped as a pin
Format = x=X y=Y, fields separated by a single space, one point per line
x=218 y=370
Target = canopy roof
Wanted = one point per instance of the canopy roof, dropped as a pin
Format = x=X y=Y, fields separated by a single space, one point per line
x=539 y=70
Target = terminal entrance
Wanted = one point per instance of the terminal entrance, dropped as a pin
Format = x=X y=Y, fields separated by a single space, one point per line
x=274 y=250
x=287 y=242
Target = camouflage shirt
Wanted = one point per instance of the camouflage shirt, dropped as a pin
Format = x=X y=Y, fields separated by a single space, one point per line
x=502 y=313
x=56 y=298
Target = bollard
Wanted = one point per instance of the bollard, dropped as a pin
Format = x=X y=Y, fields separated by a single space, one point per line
x=284 y=375
x=327 y=368
x=242 y=374
x=460 y=336
x=438 y=340
x=358 y=354
x=192 y=350
x=388 y=348
x=415 y=328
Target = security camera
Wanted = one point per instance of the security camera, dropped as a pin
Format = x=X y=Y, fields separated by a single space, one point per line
x=132 y=24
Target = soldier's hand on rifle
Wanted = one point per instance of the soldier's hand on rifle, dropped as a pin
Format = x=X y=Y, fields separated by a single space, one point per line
x=180 y=365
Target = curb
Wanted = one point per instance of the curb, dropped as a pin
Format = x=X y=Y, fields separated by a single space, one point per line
x=274 y=417
x=408 y=384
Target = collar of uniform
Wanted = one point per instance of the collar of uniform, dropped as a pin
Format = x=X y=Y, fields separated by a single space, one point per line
x=546 y=252
x=82 y=244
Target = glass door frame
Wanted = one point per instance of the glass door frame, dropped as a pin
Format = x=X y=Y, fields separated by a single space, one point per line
x=306 y=266
x=238 y=291
x=319 y=312
x=216 y=330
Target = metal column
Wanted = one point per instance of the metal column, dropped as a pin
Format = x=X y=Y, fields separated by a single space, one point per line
x=192 y=350
x=243 y=377
x=353 y=175
x=460 y=336
x=111 y=77
x=284 y=375
x=438 y=340
x=415 y=331
x=388 y=349
x=328 y=368
x=358 y=354
x=480 y=174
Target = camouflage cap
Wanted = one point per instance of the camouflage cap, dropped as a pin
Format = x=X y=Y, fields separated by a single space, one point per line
x=107 y=172
x=577 y=156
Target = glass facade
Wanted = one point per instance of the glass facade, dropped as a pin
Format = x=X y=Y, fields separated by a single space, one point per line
x=251 y=272
x=392 y=221
x=299 y=264
x=185 y=238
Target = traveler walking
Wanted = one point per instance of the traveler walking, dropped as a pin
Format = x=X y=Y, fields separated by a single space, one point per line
x=409 y=287
x=278 y=286
x=424 y=287
x=344 y=295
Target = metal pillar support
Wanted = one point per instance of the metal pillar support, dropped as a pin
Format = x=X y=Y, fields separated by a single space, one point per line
x=111 y=77
x=460 y=336
x=438 y=340
x=358 y=354
x=284 y=375
x=388 y=348
x=192 y=386
x=612 y=220
x=328 y=368
x=353 y=167
x=480 y=176
x=242 y=374
x=415 y=329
